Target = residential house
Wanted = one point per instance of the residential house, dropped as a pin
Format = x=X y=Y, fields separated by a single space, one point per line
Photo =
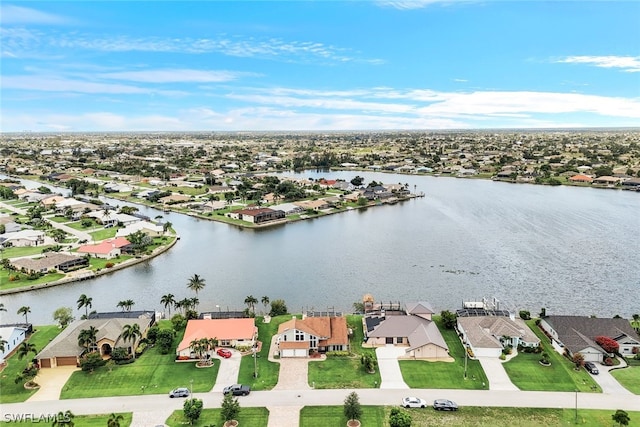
x=153 y=230
x=487 y=336
x=577 y=334
x=411 y=328
x=228 y=332
x=107 y=249
x=315 y=205
x=581 y=178
x=51 y=200
x=14 y=336
x=64 y=349
x=23 y=238
x=606 y=180
x=257 y=215
x=299 y=337
x=50 y=261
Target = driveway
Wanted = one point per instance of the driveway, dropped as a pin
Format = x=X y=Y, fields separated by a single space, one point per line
x=608 y=383
x=498 y=378
x=390 y=368
x=228 y=370
x=51 y=381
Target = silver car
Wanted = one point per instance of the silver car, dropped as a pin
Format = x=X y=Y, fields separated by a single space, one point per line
x=445 y=405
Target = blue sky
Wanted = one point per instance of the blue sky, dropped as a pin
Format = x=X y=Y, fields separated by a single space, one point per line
x=323 y=65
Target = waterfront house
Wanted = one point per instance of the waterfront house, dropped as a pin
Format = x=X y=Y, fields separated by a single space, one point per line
x=50 y=261
x=64 y=350
x=581 y=178
x=107 y=249
x=300 y=337
x=576 y=334
x=487 y=336
x=411 y=328
x=14 y=335
x=229 y=333
x=257 y=215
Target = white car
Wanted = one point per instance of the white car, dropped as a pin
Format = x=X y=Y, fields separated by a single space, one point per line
x=414 y=402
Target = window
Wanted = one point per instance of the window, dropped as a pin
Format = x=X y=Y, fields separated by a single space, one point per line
x=299 y=336
x=399 y=340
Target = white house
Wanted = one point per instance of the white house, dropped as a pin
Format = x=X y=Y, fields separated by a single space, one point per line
x=14 y=336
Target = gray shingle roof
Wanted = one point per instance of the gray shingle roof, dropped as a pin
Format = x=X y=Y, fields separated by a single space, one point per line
x=419 y=331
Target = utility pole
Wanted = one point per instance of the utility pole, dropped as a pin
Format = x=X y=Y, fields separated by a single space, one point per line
x=255 y=363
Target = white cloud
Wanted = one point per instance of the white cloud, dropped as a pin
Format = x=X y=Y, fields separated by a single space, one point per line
x=416 y=4
x=176 y=75
x=23 y=15
x=629 y=64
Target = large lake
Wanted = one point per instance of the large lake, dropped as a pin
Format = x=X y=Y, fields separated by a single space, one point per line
x=571 y=250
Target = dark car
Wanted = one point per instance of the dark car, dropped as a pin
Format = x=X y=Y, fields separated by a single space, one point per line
x=591 y=368
x=179 y=392
x=223 y=352
x=445 y=405
x=237 y=390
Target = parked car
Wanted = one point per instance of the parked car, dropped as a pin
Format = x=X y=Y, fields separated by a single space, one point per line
x=414 y=402
x=237 y=390
x=179 y=392
x=223 y=352
x=591 y=368
x=445 y=405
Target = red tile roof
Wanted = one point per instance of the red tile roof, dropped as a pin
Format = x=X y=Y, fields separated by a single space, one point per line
x=104 y=247
x=221 y=329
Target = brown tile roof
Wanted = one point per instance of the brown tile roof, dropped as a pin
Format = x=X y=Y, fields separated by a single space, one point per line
x=221 y=329
x=330 y=330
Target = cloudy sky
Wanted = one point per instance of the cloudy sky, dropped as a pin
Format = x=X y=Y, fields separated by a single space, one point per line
x=318 y=65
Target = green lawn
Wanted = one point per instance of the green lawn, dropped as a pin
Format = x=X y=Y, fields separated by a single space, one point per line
x=527 y=374
x=79 y=420
x=16 y=252
x=104 y=233
x=267 y=371
x=331 y=416
x=345 y=372
x=10 y=392
x=100 y=263
x=22 y=280
x=77 y=225
x=250 y=417
x=59 y=219
x=629 y=378
x=425 y=374
x=152 y=373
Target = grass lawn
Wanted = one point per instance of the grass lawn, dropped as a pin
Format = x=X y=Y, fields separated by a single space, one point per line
x=424 y=374
x=15 y=252
x=77 y=225
x=22 y=281
x=629 y=378
x=152 y=373
x=345 y=372
x=526 y=373
x=81 y=420
x=331 y=416
x=10 y=392
x=250 y=417
x=105 y=233
x=267 y=371
x=100 y=263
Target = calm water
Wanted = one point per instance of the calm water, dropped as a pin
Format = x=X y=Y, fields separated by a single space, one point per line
x=571 y=250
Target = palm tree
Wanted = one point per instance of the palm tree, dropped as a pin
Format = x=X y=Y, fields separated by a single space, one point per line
x=64 y=419
x=114 y=420
x=196 y=283
x=196 y=347
x=251 y=302
x=26 y=348
x=121 y=304
x=166 y=226
x=636 y=317
x=126 y=304
x=193 y=303
x=24 y=310
x=87 y=338
x=131 y=333
x=168 y=300
x=86 y=302
x=265 y=301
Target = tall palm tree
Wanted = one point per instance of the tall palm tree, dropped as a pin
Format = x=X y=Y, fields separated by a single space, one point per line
x=122 y=305
x=114 y=420
x=131 y=333
x=196 y=283
x=87 y=338
x=168 y=300
x=166 y=226
x=196 y=347
x=251 y=302
x=86 y=302
x=265 y=301
x=193 y=303
x=24 y=310
x=26 y=348
x=126 y=304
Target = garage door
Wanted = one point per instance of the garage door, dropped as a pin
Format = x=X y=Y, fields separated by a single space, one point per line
x=294 y=352
x=300 y=352
x=67 y=361
x=45 y=363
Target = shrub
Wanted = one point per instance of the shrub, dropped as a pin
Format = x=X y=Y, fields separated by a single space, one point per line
x=92 y=361
x=503 y=357
x=278 y=308
x=164 y=340
x=337 y=353
x=152 y=333
x=119 y=354
x=109 y=265
x=525 y=314
x=608 y=361
x=398 y=418
x=141 y=348
x=608 y=344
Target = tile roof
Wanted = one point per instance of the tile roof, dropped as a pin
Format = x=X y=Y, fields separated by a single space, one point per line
x=418 y=330
x=485 y=331
x=330 y=330
x=105 y=246
x=221 y=329
x=578 y=332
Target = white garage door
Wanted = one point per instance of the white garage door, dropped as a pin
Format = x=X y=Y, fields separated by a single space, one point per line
x=297 y=352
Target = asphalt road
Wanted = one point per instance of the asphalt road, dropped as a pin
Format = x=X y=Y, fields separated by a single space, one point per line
x=299 y=398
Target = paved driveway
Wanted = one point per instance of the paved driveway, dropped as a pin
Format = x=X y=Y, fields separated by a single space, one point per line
x=608 y=383
x=228 y=371
x=51 y=381
x=498 y=378
x=390 y=368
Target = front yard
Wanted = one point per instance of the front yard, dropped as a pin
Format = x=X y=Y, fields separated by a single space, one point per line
x=424 y=374
x=629 y=378
x=79 y=420
x=345 y=372
x=267 y=371
x=10 y=392
x=253 y=417
x=527 y=374
x=151 y=373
